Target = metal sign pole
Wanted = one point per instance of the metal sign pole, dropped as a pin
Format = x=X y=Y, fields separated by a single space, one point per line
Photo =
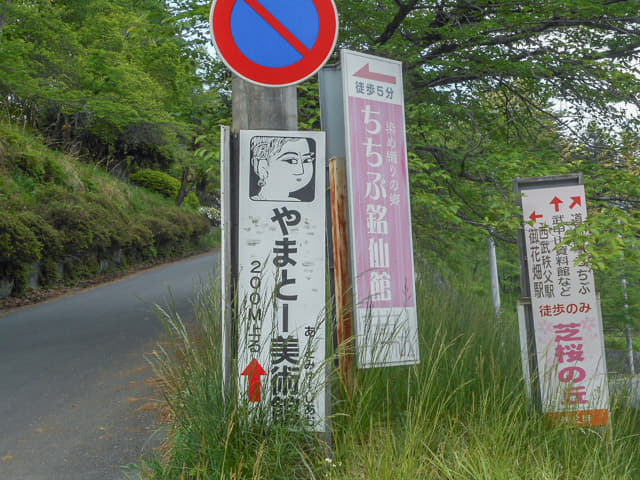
x=493 y=270
x=226 y=284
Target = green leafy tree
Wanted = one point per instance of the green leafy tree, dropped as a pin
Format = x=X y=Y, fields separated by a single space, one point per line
x=496 y=90
x=106 y=76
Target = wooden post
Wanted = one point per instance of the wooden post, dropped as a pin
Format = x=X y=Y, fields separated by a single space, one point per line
x=344 y=310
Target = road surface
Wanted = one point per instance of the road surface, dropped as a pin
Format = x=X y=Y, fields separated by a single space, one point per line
x=76 y=397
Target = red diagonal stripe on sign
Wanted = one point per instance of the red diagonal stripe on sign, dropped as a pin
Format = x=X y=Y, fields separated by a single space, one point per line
x=278 y=27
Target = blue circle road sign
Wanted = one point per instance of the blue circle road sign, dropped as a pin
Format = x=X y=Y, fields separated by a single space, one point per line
x=274 y=42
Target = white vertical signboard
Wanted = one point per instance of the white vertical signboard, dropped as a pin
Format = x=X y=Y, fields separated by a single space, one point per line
x=281 y=276
x=568 y=329
x=379 y=214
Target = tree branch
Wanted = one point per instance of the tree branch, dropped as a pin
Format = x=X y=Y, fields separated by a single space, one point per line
x=403 y=10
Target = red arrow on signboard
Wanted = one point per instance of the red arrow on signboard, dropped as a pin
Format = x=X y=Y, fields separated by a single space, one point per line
x=535 y=217
x=556 y=201
x=365 y=72
x=254 y=371
x=576 y=201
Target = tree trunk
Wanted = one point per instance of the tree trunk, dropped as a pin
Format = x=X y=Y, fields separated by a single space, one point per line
x=185 y=186
x=3 y=15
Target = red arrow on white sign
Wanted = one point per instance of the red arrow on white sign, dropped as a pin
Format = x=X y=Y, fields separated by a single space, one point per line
x=576 y=201
x=556 y=201
x=254 y=371
x=535 y=217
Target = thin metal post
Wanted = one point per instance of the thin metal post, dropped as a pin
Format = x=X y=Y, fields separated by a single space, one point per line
x=493 y=269
x=226 y=286
x=630 y=349
x=525 y=351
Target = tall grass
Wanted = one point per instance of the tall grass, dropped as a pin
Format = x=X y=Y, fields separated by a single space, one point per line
x=461 y=414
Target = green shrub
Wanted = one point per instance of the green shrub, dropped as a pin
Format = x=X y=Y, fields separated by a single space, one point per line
x=12 y=197
x=19 y=247
x=49 y=237
x=90 y=222
x=191 y=225
x=49 y=274
x=139 y=236
x=173 y=230
x=52 y=247
x=166 y=234
x=157 y=181
x=81 y=267
x=40 y=166
x=17 y=242
x=73 y=222
x=192 y=201
x=111 y=221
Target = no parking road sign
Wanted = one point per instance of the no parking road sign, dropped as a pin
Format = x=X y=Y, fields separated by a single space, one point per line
x=274 y=43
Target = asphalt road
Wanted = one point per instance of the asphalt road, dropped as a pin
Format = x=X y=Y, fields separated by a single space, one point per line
x=76 y=397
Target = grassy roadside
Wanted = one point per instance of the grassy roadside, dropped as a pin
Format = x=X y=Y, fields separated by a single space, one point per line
x=461 y=414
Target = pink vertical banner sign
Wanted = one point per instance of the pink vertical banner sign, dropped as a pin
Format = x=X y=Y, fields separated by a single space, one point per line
x=379 y=212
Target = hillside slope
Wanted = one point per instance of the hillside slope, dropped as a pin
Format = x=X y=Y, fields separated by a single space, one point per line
x=62 y=219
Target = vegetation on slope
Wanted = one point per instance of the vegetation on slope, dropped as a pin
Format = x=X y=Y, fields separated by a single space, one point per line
x=116 y=85
x=69 y=219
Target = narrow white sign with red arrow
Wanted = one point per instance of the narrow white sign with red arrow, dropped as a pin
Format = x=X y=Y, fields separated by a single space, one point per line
x=281 y=276
x=572 y=370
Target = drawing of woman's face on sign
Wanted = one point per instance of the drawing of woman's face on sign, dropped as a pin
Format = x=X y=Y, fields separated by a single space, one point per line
x=282 y=169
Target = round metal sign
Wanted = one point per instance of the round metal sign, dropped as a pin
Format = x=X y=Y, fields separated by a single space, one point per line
x=274 y=43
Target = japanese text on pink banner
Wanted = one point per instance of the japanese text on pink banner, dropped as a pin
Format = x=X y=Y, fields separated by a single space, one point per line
x=381 y=203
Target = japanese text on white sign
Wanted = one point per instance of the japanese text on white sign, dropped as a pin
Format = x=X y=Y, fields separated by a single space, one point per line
x=281 y=275
x=568 y=330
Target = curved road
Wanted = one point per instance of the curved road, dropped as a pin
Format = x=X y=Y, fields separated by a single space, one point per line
x=76 y=400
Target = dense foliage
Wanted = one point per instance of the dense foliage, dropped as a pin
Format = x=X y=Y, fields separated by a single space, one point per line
x=157 y=181
x=497 y=90
x=110 y=78
x=500 y=90
x=494 y=90
x=61 y=220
